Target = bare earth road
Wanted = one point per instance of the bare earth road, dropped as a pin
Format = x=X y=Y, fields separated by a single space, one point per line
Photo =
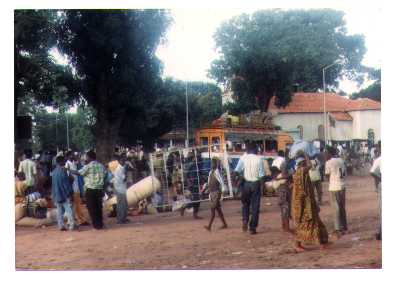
x=168 y=241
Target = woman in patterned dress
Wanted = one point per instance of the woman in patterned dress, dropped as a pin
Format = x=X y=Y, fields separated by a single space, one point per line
x=305 y=211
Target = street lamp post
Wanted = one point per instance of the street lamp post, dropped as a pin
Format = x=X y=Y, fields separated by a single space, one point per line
x=186 y=102
x=324 y=102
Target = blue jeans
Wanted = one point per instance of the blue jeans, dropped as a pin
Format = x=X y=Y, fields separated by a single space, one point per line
x=250 y=198
x=65 y=208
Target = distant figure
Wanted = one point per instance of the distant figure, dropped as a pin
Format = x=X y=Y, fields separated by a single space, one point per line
x=336 y=171
x=252 y=168
x=62 y=193
x=28 y=167
x=304 y=209
x=215 y=186
x=315 y=177
x=71 y=166
x=94 y=175
x=375 y=172
x=279 y=161
x=281 y=183
x=120 y=187
x=192 y=185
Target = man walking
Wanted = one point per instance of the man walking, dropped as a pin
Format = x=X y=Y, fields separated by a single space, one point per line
x=335 y=170
x=252 y=167
x=94 y=175
x=61 y=195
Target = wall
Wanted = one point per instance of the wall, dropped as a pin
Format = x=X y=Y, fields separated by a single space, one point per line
x=365 y=120
x=309 y=121
x=342 y=131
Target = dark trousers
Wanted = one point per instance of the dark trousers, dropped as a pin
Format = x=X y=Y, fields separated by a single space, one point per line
x=317 y=185
x=250 y=198
x=122 y=207
x=338 y=203
x=95 y=206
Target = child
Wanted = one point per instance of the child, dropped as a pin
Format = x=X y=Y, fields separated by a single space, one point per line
x=280 y=183
x=215 y=185
x=20 y=187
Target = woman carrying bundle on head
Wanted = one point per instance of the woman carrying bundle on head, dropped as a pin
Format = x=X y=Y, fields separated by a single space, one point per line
x=215 y=185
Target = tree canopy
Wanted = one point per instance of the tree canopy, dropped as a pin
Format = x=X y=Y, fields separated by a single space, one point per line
x=113 y=53
x=373 y=91
x=167 y=110
x=266 y=53
x=35 y=71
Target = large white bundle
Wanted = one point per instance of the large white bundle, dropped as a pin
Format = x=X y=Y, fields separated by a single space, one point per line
x=28 y=221
x=19 y=211
x=137 y=192
x=52 y=214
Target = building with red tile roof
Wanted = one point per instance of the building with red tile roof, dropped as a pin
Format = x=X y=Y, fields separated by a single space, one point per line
x=348 y=119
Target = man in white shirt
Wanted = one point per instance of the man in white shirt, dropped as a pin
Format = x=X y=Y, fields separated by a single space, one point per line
x=335 y=170
x=120 y=186
x=28 y=167
x=375 y=172
x=252 y=167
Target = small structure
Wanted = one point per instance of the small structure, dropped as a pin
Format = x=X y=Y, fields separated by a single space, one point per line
x=231 y=132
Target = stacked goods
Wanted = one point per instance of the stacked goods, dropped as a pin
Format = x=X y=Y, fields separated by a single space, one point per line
x=33 y=222
x=137 y=192
x=19 y=211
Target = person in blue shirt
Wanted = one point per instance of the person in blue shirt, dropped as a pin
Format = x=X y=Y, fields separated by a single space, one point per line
x=62 y=193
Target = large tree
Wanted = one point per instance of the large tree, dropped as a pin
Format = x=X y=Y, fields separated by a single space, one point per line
x=268 y=52
x=373 y=91
x=113 y=53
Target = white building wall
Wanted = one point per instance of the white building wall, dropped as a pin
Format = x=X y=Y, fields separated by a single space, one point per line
x=309 y=121
x=365 y=120
x=342 y=131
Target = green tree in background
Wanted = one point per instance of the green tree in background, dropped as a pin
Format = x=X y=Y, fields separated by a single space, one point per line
x=374 y=90
x=167 y=110
x=264 y=54
x=50 y=129
x=36 y=74
x=113 y=53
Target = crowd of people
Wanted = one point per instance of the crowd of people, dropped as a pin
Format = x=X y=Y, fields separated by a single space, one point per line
x=298 y=185
x=70 y=179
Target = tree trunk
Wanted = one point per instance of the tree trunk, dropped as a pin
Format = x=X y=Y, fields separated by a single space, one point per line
x=108 y=123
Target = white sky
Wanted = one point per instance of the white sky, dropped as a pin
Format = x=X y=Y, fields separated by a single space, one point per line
x=190 y=47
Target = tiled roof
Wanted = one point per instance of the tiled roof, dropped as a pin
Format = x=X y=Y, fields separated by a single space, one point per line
x=341 y=116
x=313 y=102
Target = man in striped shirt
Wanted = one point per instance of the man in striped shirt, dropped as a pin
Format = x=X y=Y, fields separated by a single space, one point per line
x=94 y=175
x=251 y=166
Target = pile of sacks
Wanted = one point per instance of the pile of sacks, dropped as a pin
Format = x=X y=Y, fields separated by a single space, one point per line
x=36 y=213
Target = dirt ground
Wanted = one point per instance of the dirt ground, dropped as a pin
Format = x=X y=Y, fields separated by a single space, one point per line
x=168 y=241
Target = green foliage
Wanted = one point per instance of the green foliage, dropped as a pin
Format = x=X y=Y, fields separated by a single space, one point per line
x=264 y=54
x=50 y=129
x=36 y=74
x=113 y=53
x=373 y=91
x=167 y=110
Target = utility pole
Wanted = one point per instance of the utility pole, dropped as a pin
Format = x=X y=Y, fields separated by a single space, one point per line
x=186 y=101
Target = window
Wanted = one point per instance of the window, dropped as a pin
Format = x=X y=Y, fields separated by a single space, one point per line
x=301 y=131
x=320 y=132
